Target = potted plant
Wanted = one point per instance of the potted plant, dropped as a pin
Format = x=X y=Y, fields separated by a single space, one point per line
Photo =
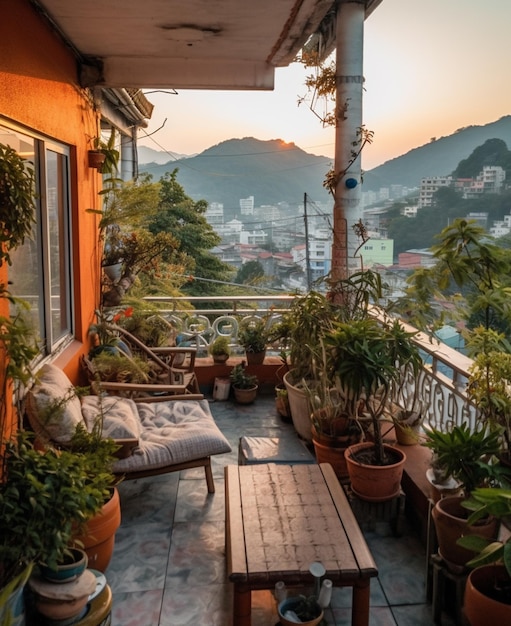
x=300 y=609
x=245 y=385
x=104 y=156
x=61 y=491
x=253 y=337
x=364 y=357
x=220 y=349
x=488 y=589
x=304 y=326
x=470 y=459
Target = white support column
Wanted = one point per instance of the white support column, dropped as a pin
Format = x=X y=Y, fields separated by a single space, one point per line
x=349 y=70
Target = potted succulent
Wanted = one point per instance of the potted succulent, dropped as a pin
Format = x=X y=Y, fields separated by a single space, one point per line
x=488 y=589
x=220 y=349
x=470 y=459
x=245 y=385
x=253 y=337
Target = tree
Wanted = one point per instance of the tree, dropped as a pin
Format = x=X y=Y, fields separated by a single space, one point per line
x=185 y=219
x=250 y=273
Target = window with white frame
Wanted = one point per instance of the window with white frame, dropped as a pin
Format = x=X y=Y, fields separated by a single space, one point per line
x=41 y=268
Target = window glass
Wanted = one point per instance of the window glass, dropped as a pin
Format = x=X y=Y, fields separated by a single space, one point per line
x=41 y=268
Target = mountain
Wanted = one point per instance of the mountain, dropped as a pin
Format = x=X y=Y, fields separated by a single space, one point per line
x=437 y=158
x=148 y=155
x=272 y=171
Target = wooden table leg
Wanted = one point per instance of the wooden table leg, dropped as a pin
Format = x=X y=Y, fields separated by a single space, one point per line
x=360 y=605
x=242 y=607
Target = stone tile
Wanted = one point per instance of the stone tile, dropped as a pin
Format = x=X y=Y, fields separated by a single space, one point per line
x=137 y=609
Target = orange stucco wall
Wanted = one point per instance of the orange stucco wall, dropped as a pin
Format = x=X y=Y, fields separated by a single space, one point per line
x=39 y=89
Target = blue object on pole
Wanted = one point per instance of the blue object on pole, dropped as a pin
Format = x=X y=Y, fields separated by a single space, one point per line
x=351 y=183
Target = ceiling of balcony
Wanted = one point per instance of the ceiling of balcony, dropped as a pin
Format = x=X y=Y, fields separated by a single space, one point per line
x=197 y=44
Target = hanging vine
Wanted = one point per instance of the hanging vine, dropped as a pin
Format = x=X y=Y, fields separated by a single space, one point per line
x=321 y=88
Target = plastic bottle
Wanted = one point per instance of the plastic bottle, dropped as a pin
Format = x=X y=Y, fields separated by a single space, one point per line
x=325 y=593
x=280 y=591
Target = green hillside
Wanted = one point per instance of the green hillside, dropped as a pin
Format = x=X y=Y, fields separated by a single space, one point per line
x=271 y=171
x=437 y=158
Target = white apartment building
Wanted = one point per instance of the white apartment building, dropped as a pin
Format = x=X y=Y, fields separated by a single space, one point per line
x=215 y=213
x=247 y=205
x=430 y=186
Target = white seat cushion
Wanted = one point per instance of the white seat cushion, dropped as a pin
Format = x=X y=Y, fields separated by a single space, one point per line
x=174 y=432
x=54 y=410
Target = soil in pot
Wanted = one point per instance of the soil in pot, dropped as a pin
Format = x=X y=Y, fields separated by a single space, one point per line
x=374 y=483
x=450 y=519
x=488 y=596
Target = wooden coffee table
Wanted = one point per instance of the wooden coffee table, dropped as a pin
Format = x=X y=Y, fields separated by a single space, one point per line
x=282 y=518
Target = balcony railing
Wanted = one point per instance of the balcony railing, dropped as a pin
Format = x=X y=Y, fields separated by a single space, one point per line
x=441 y=386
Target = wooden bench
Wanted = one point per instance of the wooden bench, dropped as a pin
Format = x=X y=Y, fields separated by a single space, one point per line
x=282 y=518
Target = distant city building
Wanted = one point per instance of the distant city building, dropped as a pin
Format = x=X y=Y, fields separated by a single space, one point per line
x=490 y=180
x=429 y=186
x=247 y=205
x=215 y=213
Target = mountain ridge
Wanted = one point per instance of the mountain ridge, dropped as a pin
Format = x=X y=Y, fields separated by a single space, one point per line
x=274 y=171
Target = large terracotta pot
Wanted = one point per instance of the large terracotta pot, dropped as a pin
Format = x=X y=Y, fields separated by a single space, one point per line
x=450 y=519
x=481 y=605
x=99 y=535
x=375 y=483
x=300 y=408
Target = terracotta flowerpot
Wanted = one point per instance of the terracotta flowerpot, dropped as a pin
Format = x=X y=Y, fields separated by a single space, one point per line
x=96 y=159
x=450 y=519
x=220 y=358
x=255 y=358
x=99 y=536
x=483 y=605
x=375 y=483
x=331 y=450
x=245 y=396
x=300 y=409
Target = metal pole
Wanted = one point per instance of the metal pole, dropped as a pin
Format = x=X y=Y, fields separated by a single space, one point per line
x=307 y=254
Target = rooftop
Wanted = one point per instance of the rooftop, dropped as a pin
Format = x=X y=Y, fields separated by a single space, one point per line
x=168 y=567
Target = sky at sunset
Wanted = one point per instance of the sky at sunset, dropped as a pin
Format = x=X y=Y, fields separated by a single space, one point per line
x=430 y=68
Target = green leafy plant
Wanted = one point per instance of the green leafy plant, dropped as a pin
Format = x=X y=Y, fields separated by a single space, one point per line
x=364 y=357
x=468 y=456
x=17 y=201
x=45 y=496
x=484 y=502
x=220 y=346
x=253 y=335
x=241 y=379
x=120 y=367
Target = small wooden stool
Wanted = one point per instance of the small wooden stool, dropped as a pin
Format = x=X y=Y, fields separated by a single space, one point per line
x=442 y=578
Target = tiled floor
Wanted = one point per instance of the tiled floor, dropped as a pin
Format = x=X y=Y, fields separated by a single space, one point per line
x=168 y=567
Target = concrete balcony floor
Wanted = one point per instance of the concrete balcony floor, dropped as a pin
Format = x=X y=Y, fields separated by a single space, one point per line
x=168 y=567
